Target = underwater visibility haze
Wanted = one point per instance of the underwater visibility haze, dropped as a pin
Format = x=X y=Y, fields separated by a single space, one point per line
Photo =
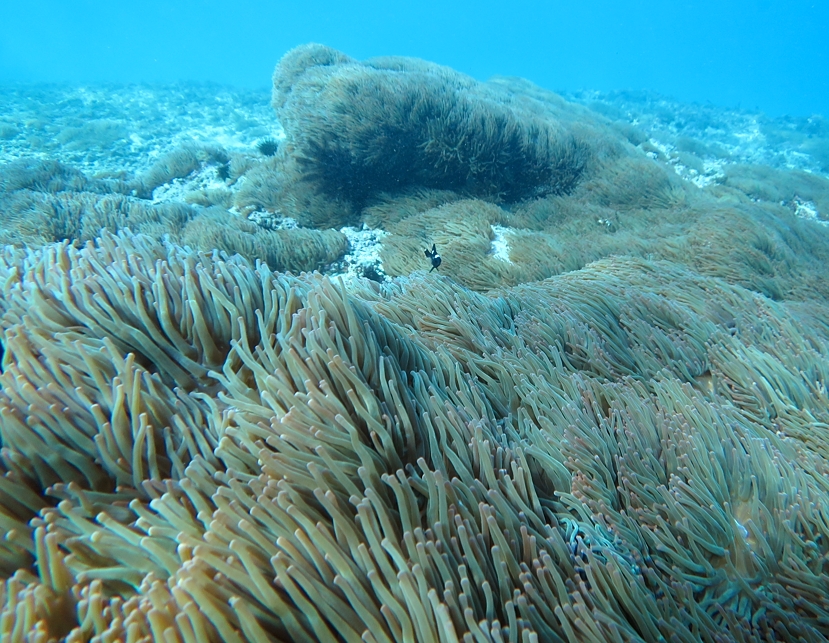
x=393 y=322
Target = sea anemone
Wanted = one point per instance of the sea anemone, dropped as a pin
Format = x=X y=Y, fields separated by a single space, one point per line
x=628 y=452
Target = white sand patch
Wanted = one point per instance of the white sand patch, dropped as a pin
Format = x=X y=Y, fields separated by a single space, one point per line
x=712 y=168
x=270 y=220
x=751 y=135
x=797 y=161
x=363 y=257
x=712 y=173
x=807 y=210
x=500 y=244
x=177 y=189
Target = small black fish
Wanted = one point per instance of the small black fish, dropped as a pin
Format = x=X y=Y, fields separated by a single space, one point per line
x=433 y=256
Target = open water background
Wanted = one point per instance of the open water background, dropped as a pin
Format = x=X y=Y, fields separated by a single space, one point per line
x=749 y=54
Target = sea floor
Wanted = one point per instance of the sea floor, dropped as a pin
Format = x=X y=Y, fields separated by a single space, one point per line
x=112 y=129
x=117 y=131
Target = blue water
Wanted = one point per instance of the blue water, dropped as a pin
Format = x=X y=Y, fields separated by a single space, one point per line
x=753 y=54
